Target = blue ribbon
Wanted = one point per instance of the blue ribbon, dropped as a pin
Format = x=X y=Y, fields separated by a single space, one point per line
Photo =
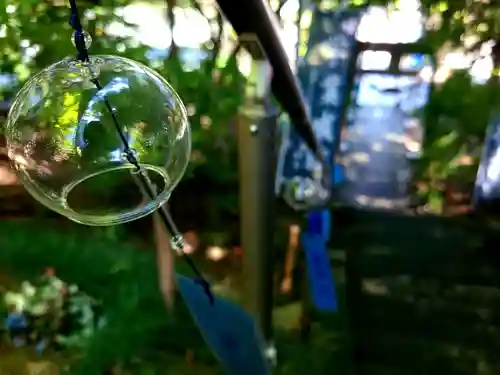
x=314 y=242
x=338 y=173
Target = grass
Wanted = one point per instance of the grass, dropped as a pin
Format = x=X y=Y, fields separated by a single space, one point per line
x=140 y=333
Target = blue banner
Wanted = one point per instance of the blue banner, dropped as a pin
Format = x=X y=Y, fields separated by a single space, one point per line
x=319 y=271
x=322 y=75
x=319 y=222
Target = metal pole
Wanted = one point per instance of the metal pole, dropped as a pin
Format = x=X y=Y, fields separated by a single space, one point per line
x=257 y=144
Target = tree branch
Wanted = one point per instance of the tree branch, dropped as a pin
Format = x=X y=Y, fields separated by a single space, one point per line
x=170 y=5
x=217 y=40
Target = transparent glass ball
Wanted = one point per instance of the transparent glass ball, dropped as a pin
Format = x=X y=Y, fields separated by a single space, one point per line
x=67 y=131
x=302 y=193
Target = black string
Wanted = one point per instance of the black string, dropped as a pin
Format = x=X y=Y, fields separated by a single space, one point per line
x=78 y=35
x=142 y=178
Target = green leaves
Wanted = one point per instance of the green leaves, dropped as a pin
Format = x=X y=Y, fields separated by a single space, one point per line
x=456 y=119
x=116 y=274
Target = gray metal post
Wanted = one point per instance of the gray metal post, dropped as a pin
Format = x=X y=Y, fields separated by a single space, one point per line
x=257 y=145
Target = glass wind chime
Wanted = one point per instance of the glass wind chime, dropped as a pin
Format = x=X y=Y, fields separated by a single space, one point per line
x=104 y=140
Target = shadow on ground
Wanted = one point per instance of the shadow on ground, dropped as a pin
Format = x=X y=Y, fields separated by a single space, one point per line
x=422 y=292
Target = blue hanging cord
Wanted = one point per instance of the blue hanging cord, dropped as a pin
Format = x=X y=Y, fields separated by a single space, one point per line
x=83 y=55
x=78 y=35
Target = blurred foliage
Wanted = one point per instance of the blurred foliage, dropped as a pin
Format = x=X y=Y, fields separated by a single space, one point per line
x=35 y=34
x=124 y=279
x=139 y=334
x=212 y=96
x=464 y=24
x=456 y=119
x=459 y=110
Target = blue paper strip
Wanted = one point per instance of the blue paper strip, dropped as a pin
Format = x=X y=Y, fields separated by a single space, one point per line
x=319 y=222
x=315 y=222
x=320 y=274
x=326 y=225
x=228 y=330
x=338 y=175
